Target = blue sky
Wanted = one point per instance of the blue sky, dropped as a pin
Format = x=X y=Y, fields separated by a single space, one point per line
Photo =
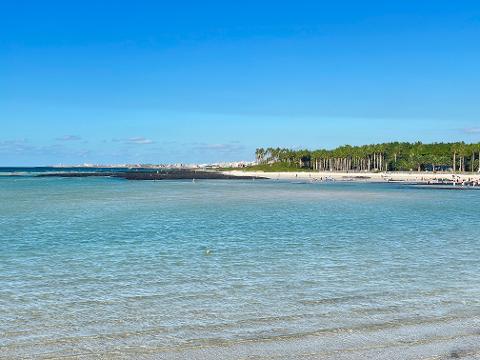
x=201 y=81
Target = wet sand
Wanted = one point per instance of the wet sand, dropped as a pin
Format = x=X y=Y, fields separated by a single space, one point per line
x=457 y=338
x=443 y=339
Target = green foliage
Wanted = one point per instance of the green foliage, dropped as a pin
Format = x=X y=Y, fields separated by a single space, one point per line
x=395 y=156
x=276 y=167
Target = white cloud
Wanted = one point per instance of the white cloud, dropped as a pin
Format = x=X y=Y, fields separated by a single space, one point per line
x=15 y=146
x=69 y=138
x=472 y=130
x=26 y=148
x=135 y=140
x=223 y=148
x=139 y=141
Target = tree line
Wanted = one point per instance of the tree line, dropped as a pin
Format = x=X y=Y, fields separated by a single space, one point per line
x=394 y=156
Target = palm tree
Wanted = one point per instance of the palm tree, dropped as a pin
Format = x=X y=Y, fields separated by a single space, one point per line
x=378 y=157
x=260 y=155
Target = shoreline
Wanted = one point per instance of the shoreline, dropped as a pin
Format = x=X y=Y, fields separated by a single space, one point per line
x=437 y=180
x=404 y=177
x=154 y=175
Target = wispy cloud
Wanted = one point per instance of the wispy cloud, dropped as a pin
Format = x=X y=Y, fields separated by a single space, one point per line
x=222 y=148
x=26 y=148
x=14 y=146
x=140 y=140
x=69 y=138
x=135 y=140
x=472 y=130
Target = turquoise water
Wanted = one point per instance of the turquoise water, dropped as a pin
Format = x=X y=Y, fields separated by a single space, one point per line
x=91 y=266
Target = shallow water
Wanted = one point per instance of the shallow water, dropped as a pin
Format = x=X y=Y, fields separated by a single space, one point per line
x=91 y=266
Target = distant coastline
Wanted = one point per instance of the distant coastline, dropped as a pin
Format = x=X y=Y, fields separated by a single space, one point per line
x=430 y=164
x=461 y=180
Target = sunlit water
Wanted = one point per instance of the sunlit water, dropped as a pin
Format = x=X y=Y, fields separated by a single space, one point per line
x=105 y=265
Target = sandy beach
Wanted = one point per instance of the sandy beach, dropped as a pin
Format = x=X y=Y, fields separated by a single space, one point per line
x=416 y=177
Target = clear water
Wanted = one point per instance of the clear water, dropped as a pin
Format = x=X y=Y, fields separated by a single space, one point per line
x=112 y=266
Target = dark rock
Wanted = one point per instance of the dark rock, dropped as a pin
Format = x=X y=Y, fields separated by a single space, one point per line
x=153 y=175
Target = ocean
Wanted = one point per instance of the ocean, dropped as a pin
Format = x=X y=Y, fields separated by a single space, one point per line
x=110 y=268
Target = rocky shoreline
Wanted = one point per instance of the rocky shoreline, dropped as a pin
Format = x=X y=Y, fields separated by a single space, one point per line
x=160 y=175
